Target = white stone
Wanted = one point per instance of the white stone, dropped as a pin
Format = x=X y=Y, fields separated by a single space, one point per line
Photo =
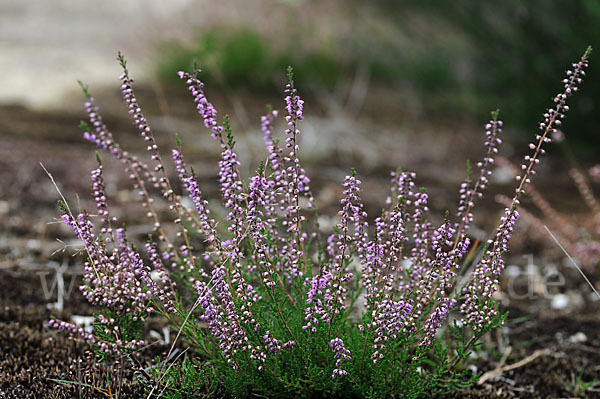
x=578 y=338
x=560 y=301
x=83 y=321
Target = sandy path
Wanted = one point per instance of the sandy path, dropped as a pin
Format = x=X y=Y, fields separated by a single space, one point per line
x=46 y=45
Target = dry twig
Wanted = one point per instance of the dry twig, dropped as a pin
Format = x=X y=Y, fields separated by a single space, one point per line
x=497 y=372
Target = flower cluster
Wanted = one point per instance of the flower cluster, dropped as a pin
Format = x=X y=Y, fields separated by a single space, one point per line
x=469 y=193
x=125 y=285
x=351 y=212
x=73 y=329
x=204 y=107
x=203 y=219
x=99 y=195
x=552 y=117
x=478 y=306
x=340 y=353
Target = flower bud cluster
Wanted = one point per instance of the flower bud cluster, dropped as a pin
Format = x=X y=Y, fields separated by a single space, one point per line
x=205 y=222
x=389 y=322
x=139 y=172
x=118 y=280
x=143 y=127
x=257 y=226
x=279 y=175
x=299 y=183
x=73 y=329
x=99 y=194
x=352 y=212
x=103 y=138
x=478 y=307
x=204 y=107
x=552 y=118
x=320 y=287
x=340 y=354
x=469 y=192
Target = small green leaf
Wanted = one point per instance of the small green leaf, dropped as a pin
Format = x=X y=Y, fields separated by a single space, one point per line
x=84 y=88
x=63 y=207
x=469 y=170
x=495 y=115
x=84 y=126
x=122 y=60
x=229 y=135
x=290 y=75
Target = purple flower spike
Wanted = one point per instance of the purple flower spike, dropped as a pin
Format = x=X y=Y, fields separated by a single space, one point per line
x=340 y=354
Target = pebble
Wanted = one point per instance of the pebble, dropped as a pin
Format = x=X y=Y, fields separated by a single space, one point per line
x=560 y=301
x=578 y=338
x=503 y=175
x=84 y=321
x=512 y=271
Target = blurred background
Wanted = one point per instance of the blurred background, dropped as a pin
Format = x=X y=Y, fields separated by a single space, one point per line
x=403 y=60
x=387 y=85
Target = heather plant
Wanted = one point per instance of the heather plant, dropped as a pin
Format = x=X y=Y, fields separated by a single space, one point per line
x=385 y=306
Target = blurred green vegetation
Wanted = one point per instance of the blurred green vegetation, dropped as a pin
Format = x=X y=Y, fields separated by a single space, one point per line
x=518 y=52
x=242 y=58
x=461 y=58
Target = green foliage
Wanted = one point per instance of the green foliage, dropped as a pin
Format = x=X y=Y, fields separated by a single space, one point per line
x=84 y=126
x=510 y=54
x=577 y=386
x=63 y=207
x=469 y=170
x=124 y=329
x=84 y=88
x=228 y=133
x=241 y=58
x=185 y=379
